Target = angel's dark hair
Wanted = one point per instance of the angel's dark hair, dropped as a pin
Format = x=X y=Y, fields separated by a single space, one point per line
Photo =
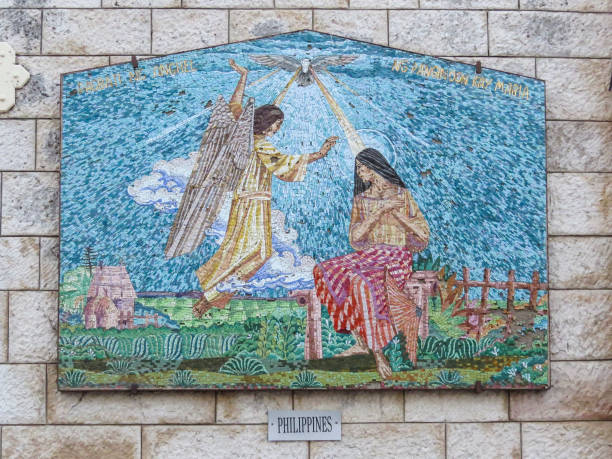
x=265 y=116
x=375 y=161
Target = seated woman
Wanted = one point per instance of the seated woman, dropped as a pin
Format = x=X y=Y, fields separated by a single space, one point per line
x=386 y=228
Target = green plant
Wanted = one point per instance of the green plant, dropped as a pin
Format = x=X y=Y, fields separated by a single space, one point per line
x=395 y=352
x=305 y=379
x=122 y=367
x=531 y=370
x=243 y=365
x=183 y=378
x=72 y=378
x=449 y=377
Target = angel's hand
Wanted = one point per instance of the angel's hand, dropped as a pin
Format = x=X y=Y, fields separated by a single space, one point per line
x=241 y=70
x=328 y=144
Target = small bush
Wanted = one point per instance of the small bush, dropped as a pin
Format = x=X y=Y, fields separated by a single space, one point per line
x=72 y=378
x=449 y=378
x=305 y=379
x=183 y=378
x=122 y=367
x=243 y=365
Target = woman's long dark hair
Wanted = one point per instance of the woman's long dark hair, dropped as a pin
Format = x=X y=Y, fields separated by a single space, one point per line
x=375 y=161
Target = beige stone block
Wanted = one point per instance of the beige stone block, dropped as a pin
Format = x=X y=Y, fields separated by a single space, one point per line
x=71 y=442
x=141 y=3
x=17 y=144
x=3 y=326
x=311 y=3
x=456 y=406
x=40 y=97
x=252 y=407
x=384 y=441
x=49 y=3
x=228 y=3
x=30 y=203
x=581 y=323
x=49 y=263
x=579 y=204
x=580 y=262
x=19 y=260
x=579 y=146
x=21 y=28
x=96 y=31
x=447 y=33
x=124 y=59
x=216 y=441
x=365 y=25
x=164 y=407
x=182 y=30
x=567 y=34
x=22 y=398
x=576 y=89
x=562 y=440
x=248 y=24
x=579 y=391
x=470 y=4
x=33 y=326
x=384 y=4
x=356 y=406
x=524 y=66
x=567 y=5
x=483 y=441
x=47 y=145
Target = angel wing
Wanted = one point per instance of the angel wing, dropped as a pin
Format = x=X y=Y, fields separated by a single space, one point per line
x=321 y=62
x=276 y=61
x=223 y=155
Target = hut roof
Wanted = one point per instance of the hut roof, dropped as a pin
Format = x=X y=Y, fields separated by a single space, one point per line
x=111 y=281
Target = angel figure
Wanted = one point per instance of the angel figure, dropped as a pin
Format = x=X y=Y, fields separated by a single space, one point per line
x=235 y=156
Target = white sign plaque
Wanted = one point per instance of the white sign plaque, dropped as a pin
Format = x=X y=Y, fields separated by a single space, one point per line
x=289 y=425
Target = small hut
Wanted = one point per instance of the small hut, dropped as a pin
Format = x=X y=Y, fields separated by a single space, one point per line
x=114 y=284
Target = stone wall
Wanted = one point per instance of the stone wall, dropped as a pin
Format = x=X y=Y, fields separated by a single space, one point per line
x=568 y=43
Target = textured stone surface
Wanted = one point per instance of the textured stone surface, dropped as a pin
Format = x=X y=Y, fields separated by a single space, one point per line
x=373 y=406
x=579 y=204
x=579 y=146
x=567 y=5
x=19 y=259
x=460 y=406
x=312 y=4
x=483 y=441
x=21 y=28
x=372 y=24
x=22 y=398
x=216 y=441
x=384 y=441
x=71 y=442
x=549 y=34
x=47 y=145
x=33 y=327
x=580 y=324
x=17 y=144
x=475 y=4
x=3 y=326
x=40 y=97
x=576 y=89
x=250 y=407
x=228 y=3
x=124 y=59
x=141 y=3
x=164 y=407
x=448 y=33
x=382 y=4
x=520 y=65
x=182 y=30
x=49 y=259
x=96 y=31
x=247 y=24
x=580 y=262
x=30 y=203
x=580 y=391
x=567 y=440
x=49 y=3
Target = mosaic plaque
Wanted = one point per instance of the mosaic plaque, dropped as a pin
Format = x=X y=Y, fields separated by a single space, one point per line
x=302 y=211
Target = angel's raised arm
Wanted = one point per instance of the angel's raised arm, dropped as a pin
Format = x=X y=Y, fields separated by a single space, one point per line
x=236 y=100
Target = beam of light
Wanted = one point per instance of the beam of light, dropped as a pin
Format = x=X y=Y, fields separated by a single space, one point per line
x=397 y=126
x=285 y=90
x=265 y=77
x=173 y=128
x=355 y=142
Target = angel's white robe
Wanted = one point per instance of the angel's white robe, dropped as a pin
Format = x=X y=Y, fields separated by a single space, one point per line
x=247 y=244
